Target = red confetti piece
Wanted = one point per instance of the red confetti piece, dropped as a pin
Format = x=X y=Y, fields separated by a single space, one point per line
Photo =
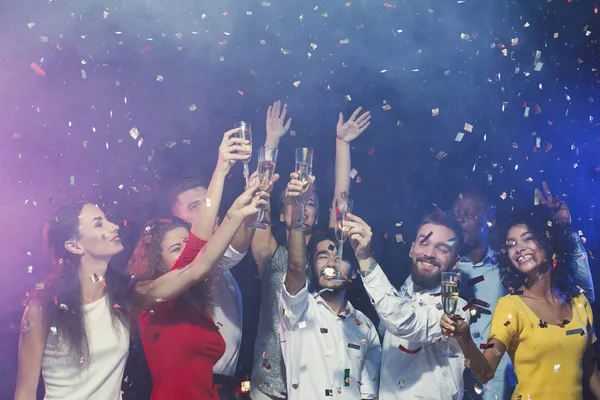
x=475 y=280
x=507 y=323
x=485 y=346
x=240 y=92
x=371 y=151
x=223 y=42
x=38 y=70
x=387 y=5
x=145 y=48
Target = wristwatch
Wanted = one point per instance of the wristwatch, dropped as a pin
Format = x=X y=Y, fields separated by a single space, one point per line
x=366 y=273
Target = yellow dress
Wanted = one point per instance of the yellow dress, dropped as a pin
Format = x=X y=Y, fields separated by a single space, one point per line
x=547 y=358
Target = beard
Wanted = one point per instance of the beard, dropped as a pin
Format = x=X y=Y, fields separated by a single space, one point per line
x=425 y=280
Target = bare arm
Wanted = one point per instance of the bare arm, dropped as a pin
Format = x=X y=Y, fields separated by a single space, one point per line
x=345 y=133
x=204 y=222
x=295 y=278
x=34 y=333
x=176 y=282
x=263 y=246
x=483 y=365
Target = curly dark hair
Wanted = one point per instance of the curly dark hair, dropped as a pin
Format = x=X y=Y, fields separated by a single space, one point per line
x=556 y=239
x=147 y=263
x=61 y=297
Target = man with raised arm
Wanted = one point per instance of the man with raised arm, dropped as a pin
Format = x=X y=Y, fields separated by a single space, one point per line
x=268 y=372
x=331 y=350
x=412 y=366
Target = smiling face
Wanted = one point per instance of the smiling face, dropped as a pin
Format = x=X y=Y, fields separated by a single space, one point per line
x=525 y=253
x=433 y=252
x=325 y=265
x=172 y=245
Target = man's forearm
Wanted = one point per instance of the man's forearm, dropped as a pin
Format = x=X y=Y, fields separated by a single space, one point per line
x=296 y=276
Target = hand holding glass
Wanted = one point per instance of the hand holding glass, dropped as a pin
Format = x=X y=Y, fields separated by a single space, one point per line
x=304 y=164
x=450 y=285
x=245 y=133
x=267 y=160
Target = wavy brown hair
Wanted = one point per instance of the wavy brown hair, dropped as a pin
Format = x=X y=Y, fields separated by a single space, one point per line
x=147 y=263
x=61 y=297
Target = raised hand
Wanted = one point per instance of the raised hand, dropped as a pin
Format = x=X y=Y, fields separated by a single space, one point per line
x=351 y=129
x=360 y=236
x=276 y=124
x=269 y=189
x=249 y=202
x=454 y=327
x=296 y=188
x=231 y=150
x=561 y=211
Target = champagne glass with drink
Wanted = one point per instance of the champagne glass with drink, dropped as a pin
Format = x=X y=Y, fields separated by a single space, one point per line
x=267 y=160
x=245 y=133
x=343 y=206
x=450 y=285
x=304 y=164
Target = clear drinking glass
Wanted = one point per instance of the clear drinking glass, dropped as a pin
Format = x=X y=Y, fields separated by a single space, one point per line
x=343 y=206
x=450 y=286
x=267 y=160
x=245 y=133
x=304 y=165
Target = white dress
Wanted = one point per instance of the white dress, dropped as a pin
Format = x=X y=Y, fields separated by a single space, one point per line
x=98 y=379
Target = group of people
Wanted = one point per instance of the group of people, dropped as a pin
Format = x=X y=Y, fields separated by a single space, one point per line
x=531 y=300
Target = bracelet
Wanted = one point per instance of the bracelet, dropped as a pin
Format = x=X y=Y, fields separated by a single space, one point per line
x=366 y=273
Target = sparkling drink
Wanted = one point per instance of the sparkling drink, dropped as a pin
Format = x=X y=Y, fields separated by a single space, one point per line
x=266 y=170
x=341 y=229
x=304 y=170
x=449 y=297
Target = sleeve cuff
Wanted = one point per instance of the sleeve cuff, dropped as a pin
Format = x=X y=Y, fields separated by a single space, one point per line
x=373 y=276
x=296 y=299
x=231 y=258
x=368 y=390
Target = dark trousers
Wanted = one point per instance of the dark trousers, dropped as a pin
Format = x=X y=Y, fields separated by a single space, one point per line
x=226 y=386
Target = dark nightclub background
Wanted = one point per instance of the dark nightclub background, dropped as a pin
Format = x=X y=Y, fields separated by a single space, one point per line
x=110 y=100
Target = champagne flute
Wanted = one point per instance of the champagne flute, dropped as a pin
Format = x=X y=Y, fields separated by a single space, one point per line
x=267 y=160
x=450 y=285
x=343 y=206
x=304 y=164
x=245 y=133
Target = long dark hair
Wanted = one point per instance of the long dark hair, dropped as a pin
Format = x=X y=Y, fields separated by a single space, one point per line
x=557 y=242
x=147 y=263
x=61 y=297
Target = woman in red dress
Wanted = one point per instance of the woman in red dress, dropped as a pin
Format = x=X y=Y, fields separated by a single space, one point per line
x=181 y=342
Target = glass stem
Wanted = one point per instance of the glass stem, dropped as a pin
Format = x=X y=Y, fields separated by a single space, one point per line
x=246 y=174
x=340 y=253
x=448 y=346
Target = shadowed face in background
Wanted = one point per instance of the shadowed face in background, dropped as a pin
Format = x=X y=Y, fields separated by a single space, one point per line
x=433 y=252
x=473 y=212
x=311 y=211
x=188 y=204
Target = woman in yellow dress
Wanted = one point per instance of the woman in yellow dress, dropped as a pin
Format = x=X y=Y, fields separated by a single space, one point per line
x=546 y=324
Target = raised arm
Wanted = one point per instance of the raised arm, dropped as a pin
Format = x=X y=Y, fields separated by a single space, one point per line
x=204 y=222
x=263 y=243
x=295 y=278
x=346 y=132
x=176 y=282
x=34 y=332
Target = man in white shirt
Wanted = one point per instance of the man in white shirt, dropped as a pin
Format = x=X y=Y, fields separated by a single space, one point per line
x=330 y=350
x=412 y=366
x=185 y=200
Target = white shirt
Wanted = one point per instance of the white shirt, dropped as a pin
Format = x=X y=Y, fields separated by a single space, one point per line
x=228 y=313
x=411 y=367
x=99 y=377
x=327 y=356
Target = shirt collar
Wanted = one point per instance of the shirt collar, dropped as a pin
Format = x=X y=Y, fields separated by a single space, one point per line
x=349 y=313
x=490 y=258
x=408 y=287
